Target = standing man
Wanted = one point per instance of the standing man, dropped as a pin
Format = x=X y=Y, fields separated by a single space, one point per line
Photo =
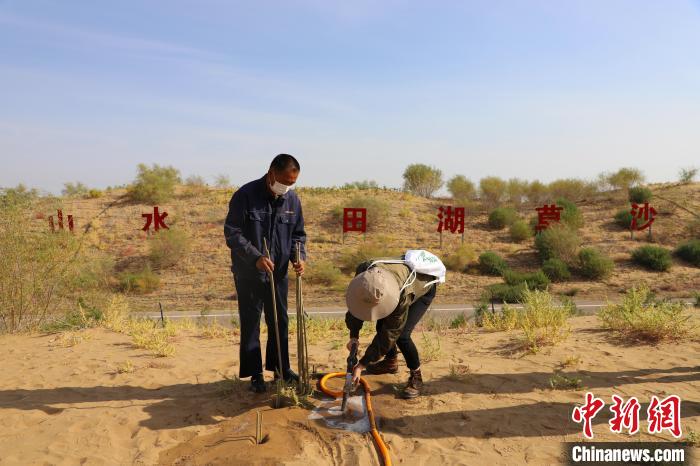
x=265 y=209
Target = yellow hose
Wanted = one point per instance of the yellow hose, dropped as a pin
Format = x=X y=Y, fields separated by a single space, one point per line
x=381 y=446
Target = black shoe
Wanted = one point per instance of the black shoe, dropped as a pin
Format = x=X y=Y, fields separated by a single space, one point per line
x=257 y=384
x=289 y=376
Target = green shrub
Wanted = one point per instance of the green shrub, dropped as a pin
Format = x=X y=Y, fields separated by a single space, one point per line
x=74 y=189
x=623 y=218
x=556 y=270
x=94 y=193
x=542 y=322
x=653 y=258
x=168 y=247
x=534 y=280
x=154 y=185
x=361 y=185
x=141 y=282
x=640 y=317
x=491 y=263
x=460 y=258
x=520 y=230
x=536 y=192
x=501 y=217
x=571 y=188
x=640 y=194
x=594 y=264
x=505 y=293
x=364 y=252
x=558 y=241
x=516 y=191
x=38 y=269
x=324 y=272
x=377 y=210
x=571 y=215
x=690 y=252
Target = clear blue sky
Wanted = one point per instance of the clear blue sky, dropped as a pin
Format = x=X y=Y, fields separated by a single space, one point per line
x=357 y=90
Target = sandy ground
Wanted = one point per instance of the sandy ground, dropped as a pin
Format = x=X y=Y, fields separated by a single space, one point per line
x=63 y=404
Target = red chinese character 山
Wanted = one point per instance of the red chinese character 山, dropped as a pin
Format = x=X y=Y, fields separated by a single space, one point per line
x=665 y=415
x=451 y=219
x=547 y=214
x=624 y=415
x=587 y=412
x=156 y=218
x=354 y=219
x=645 y=212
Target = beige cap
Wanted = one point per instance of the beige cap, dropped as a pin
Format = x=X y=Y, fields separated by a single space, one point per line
x=372 y=294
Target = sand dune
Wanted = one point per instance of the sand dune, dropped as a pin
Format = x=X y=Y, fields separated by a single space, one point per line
x=71 y=405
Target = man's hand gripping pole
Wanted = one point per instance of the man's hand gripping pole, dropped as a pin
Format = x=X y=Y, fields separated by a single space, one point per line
x=349 y=387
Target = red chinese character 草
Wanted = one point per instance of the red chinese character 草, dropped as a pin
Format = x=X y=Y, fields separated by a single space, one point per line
x=60 y=221
x=587 y=412
x=645 y=212
x=354 y=219
x=547 y=214
x=156 y=219
x=625 y=415
x=451 y=219
x=665 y=415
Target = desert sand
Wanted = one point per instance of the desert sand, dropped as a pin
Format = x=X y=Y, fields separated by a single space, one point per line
x=92 y=398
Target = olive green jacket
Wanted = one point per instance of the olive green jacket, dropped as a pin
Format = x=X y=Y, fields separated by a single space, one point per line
x=393 y=324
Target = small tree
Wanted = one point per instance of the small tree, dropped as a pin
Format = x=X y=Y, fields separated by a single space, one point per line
x=222 y=181
x=155 y=184
x=516 y=190
x=492 y=190
x=422 y=180
x=536 y=192
x=74 y=189
x=461 y=188
x=625 y=178
x=687 y=175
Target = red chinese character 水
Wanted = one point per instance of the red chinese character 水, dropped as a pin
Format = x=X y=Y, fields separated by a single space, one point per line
x=665 y=415
x=547 y=214
x=354 y=219
x=451 y=219
x=625 y=415
x=156 y=218
x=645 y=212
x=587 y=412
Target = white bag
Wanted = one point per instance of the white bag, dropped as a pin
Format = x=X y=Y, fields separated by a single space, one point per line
x=425 y=262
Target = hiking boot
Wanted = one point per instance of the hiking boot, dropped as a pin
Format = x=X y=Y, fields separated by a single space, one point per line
x=289 y=376
x=385 y=366
x=257 y=384
x=414 y=385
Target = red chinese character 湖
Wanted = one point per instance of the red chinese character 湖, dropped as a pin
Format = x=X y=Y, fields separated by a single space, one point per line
x=451 y=219
x=625 y=415
x=354 y=219
x=547 y=214
x=665 y=415
x=645 y=212
x=587 y=412
x=156 y=219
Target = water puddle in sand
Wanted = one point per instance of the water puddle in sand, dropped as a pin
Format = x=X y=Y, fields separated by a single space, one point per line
x=354 y=419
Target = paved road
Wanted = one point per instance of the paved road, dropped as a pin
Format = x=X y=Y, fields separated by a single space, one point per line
x=438 y=311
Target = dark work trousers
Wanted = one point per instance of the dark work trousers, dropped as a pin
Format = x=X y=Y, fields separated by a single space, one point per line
x=415 y=313
x=254 y=296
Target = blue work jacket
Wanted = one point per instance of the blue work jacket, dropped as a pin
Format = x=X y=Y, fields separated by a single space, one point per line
x=253 y=214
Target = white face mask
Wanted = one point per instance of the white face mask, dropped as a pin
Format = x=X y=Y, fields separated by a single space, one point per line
x=279 y=188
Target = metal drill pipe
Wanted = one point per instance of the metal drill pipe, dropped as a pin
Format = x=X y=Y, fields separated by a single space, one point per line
x=274 y=313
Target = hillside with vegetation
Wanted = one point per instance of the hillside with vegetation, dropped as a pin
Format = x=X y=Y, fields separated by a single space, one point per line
x=591 y=255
